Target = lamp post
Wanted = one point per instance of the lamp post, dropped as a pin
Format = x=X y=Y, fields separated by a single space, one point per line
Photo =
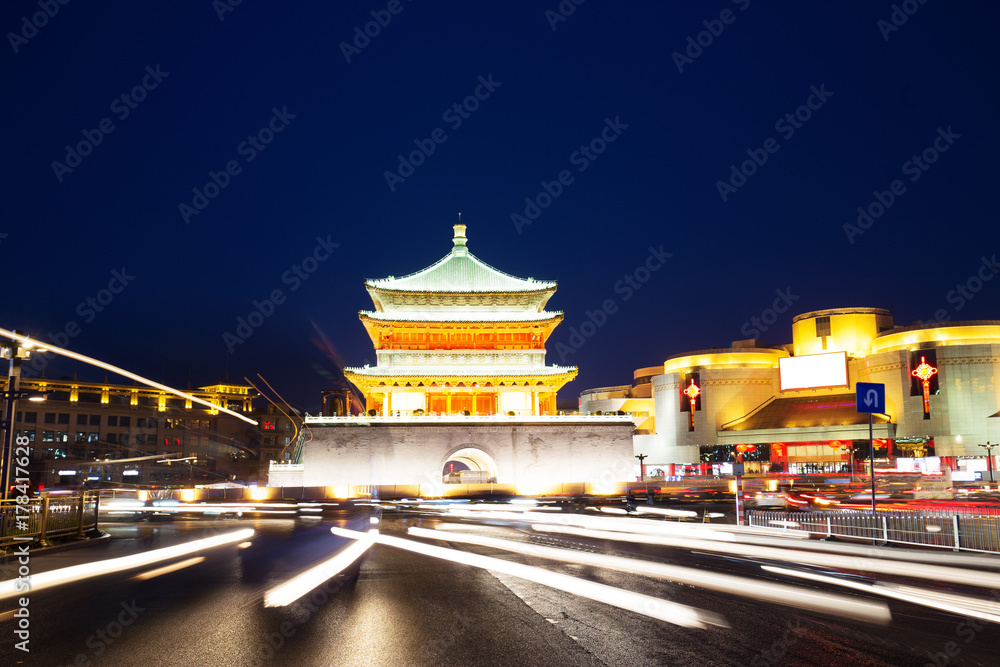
x=15 y=352
x=850 y=452
x=989 y=457
x=642 y=466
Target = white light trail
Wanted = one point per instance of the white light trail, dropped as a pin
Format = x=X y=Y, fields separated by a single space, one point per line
x=792 y=596
x=843 y=562
x=962 y=605
x=671 y=612
x=290 y=591
x=66 y=575
x=121 y=371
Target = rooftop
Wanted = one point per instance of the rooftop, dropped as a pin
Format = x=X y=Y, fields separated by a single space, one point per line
x=460 y=271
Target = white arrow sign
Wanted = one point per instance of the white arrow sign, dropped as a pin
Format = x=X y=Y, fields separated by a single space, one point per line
x=871 y=397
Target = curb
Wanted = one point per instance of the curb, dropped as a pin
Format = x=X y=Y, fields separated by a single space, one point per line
x=103 y=538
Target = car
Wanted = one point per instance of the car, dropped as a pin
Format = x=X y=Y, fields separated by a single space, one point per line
x=777 y=499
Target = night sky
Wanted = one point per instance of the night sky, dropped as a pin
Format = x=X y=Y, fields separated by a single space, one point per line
x=620 y=123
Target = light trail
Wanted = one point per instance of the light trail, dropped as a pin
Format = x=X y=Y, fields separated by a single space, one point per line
x=963 y=605
x=792 y=596
x=839 y=561
x=290 y=591
x=664 y=610
x=52 y=578
x=120 y=371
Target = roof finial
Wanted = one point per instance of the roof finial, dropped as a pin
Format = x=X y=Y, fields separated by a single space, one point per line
x=459 y=239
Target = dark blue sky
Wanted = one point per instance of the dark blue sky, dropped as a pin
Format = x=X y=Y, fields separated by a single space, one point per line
x=886 y=93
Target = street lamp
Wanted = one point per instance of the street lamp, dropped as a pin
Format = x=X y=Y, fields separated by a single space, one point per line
x=16 y=352
x=989 y=457
x=850 y=451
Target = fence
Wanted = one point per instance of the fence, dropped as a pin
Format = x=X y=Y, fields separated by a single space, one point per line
x=46 y=517
x=951 y=529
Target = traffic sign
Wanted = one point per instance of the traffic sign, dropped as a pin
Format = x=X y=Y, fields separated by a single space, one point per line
x=871 y=397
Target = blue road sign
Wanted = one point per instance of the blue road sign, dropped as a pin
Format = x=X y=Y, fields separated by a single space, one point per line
x=871 y=397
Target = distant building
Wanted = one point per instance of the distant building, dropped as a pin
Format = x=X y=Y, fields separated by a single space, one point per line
x=91 y=433
x=792 y=407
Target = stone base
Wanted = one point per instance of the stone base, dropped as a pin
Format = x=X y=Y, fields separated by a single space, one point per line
x=533 y=457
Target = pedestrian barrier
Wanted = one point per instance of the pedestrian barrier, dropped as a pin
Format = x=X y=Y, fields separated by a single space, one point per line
x=947 y=529
x=45 y=517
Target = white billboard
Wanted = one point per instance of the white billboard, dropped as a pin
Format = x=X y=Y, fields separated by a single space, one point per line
x=813 y=371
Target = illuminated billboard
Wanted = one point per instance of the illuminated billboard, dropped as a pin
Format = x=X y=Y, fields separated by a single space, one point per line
x=813 y=371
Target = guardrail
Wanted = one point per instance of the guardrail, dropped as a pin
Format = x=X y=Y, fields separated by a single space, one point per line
x=946 y=529
x=48 y=516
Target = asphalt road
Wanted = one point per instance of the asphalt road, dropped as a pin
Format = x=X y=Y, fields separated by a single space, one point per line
x=409 y=609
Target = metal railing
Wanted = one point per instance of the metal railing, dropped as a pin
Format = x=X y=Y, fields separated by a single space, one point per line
x=946 y=529
x=45 y=517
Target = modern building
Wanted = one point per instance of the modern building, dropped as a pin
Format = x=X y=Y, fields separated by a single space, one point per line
x=460 y=392
x=792 y=407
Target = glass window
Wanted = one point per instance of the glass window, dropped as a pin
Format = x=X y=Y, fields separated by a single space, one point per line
x=140 y=422
x=112 y=438
x=31 y=417
x=81 y=437
x=124 y=421
x=151 y=422
x=95 y=420
x=48 y=436
x=89 y=397
x=93 y=437
x=50 y=418
x=62 y=436
x=123 y=438
x=81 y=420
x=63 y=417
x=30 y=435
x=112 y=420
x=822 y=326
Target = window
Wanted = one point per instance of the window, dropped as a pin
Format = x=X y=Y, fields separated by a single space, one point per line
x=112 y=420
x=124 y=421
x=151 y=422
x=112 y=438
x=140 y=422
x=81 y=420
x=174 y=423
x=267 y=425
x=288 y=439
x=81 y=437
x=50 y=418
x=93 y=437
x=288 y=426
x=63 y=417
x=89 y=397
x=123 y=438
x=31 y=417
x=822 y=326
x=62 y=436
x=140 y=439
x=48 y=436
x=30 y=435
x=95 y=420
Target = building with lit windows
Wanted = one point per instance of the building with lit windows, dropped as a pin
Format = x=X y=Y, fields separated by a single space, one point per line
x=98 y=433
x=460 y=392
x=460 y=337
x=792 y=407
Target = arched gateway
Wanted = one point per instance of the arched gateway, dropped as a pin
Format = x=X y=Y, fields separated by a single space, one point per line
x=470 y=464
